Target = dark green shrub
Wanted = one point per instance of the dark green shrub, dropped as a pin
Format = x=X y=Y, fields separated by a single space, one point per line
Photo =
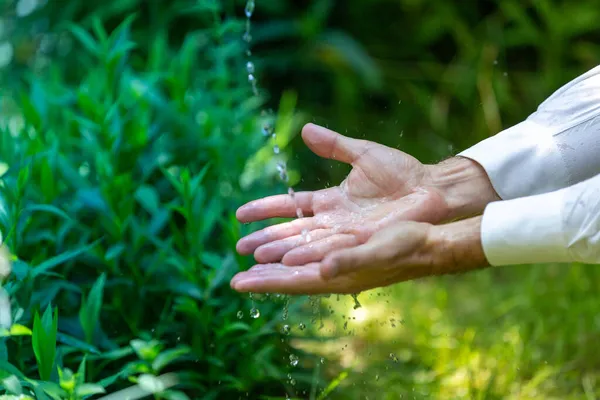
x=123 y=161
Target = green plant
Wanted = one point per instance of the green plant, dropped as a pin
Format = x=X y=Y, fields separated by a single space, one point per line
x=123 y=174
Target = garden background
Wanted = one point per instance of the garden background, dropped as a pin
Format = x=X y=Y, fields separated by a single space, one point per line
x=129 y=135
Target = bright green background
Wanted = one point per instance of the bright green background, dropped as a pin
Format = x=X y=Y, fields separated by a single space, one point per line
x=127 y=144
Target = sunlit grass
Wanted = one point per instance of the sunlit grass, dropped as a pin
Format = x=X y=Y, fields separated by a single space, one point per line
x=524 y=332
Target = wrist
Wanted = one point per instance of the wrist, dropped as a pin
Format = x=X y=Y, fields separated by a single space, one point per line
x=464 y=185
x=459 y=246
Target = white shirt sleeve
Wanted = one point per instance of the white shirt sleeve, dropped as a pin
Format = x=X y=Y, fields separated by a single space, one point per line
x=555 y=147
x=560 y=226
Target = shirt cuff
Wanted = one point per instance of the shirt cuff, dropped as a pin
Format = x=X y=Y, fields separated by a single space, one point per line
x=528 y=230
x=521 y=161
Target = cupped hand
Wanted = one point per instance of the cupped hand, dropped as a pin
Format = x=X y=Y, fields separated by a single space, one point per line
x=404 y=251
x=385 y=186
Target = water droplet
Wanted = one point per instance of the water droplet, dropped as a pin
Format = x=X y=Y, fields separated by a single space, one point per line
x=247 y=37
x=250 y=67
x=250 y=5
x=357 y=304
x=301 y=326
x=393 y=357
x=495 y=62
x=251 y=78
x=240 y=314
x=505 y=74
x=377 y=377
x=306 y=235
x=291 y=193
x=267 y=130
x=299 y=213
x=286 y=305
x=293 y=360
x=282 y=169
x=322 y=360
x=276 y=149
x=286 y=329
x=254 y=312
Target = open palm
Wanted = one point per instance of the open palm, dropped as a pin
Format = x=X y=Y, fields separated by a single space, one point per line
x=384 y=186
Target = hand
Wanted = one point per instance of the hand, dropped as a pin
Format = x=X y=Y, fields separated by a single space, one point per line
x=385 y=186
x=405 y=251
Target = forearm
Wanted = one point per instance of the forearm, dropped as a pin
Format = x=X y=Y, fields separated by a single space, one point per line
x=458 y=247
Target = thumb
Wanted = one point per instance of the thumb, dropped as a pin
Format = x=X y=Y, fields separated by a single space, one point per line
x=329 y=144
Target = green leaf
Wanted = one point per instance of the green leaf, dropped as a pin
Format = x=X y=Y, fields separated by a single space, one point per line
x=99 y=29
x=55 y=261
x=146 y=351
x=174 y=395
x=53 y=390
x=11 y=369
x=15 y=330
x=23 y=178
x=148 y=198
x=80 y=375
x=89 y=313
x=167 y=357
x=88 y=389
x=85 y=39
x=48 y=209
x=44 y=341
x=235 y=327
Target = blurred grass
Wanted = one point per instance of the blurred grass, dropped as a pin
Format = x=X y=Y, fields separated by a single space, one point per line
x=525 y=332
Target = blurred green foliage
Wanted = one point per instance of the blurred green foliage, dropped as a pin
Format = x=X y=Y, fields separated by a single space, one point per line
x=129 y=136
x=429 y=77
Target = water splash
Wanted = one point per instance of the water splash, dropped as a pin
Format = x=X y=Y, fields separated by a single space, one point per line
x=286 y=307
x=357 y=304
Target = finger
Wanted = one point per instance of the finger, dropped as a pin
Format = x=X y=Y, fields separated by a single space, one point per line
x=349 y=260
x=274 y=251
x=277 y=278
x=316 y=250
x=329 y=144
x=250 y=243
x=280 y=206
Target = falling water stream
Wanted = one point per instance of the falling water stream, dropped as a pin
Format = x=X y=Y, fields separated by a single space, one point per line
x=268 y=132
